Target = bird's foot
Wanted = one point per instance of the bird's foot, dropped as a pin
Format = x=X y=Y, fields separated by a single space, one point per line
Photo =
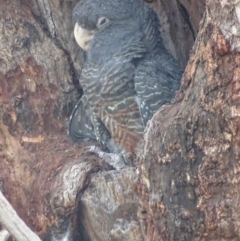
x=112 y=159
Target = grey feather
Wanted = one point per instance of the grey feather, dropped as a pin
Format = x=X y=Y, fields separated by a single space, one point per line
x=80 y=126
x=128 y=74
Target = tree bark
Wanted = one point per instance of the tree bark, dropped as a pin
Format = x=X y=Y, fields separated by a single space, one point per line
x=179 y=21
x=190 y=158
x=39 y=86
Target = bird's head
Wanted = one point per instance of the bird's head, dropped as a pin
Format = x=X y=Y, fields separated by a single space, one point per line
x=92 y=16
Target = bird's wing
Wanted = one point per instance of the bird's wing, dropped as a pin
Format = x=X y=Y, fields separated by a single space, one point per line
x=120 y=112
x=156 y=80
x=85 y=122
x=80 y=126
x=115 y=76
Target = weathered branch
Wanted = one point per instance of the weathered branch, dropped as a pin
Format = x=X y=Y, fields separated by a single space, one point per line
x=4 y=235
x=13 y=223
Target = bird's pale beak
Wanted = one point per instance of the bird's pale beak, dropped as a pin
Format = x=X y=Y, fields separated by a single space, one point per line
x=83 y=36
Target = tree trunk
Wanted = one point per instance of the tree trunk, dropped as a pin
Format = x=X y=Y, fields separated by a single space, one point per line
x=39 y=86
x=190 y=159
x=186 y=178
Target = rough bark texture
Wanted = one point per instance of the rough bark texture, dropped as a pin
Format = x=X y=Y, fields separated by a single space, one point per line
x=185 y=184
x=190 y=157
x=179 y=25
x=36 y=96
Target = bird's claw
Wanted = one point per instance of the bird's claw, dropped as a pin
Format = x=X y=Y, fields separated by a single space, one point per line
x=96 y=150
x=114 y=160
x=91 y=148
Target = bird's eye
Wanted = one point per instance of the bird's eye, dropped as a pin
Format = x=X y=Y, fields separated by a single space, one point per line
x=102 y=22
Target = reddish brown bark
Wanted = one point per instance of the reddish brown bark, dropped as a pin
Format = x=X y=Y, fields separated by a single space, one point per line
x=190 y=158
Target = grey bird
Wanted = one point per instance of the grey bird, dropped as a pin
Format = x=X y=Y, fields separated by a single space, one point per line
x=128 y=74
